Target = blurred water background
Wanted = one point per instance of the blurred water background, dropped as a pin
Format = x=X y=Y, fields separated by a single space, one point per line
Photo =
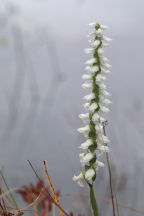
x=41 y=63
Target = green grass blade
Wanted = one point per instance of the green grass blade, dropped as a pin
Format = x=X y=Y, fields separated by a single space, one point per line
x=11 y=195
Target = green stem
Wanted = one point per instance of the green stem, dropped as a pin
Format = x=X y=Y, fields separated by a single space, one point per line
x=93 y=201
x=11 y=195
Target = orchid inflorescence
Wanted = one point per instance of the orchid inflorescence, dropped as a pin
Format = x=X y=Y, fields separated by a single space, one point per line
x=96 y=142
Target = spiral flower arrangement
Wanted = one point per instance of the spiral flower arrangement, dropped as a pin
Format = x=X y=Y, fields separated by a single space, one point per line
x=96 y=105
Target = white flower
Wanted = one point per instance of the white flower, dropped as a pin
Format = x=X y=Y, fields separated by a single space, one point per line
x=102 y=138
x=91 y=33
x=79 y=179
x=104 y=100
x=87 y=85
x=103 y=148
x=92 y=69
x=99 y=128
x=93 y=107
x=84 y=116
x=106 y=65
x=100 y=78
x=89 y=174
x=104 y=27
x=104 y=109
x=104 y=93
x=87 y=68
x=107 y=39
x=102 y=85
x=97 y=118
x=100 y=51
x=90 y=61
x=86 y=144
x=83 y=129
x=98 y=164
x=104 y=59
x=89 y=50
x=92 y=24
x=99 y=32
x=85 y=159
x=105 y=44
x=86 y=76
x=86 y=106
x=95 y=43
x=89 y=97
x=103 y=71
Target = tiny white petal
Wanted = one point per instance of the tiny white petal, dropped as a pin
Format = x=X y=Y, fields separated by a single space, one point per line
x=98 y=164
x=104 y=93
x=104 y=100
x=99 y=32
x=103 y=71
x=92 y=24
x=102 y=85
x=107 y=39
x=100 y=78
x=91 y=41
x=86 y=76
x=99 y=128
x=86 y=106
x=85 y=159
x=107 y=101
x=104 y=27
x=84 y=116
x=93 y=107
x=83 y=129
x=89 y=174
x=80 y=176
x=105 y=44
x=86 y=144
x=89 y=97
x=79 y=179
x=91 y=61
x=95 y=43
x=89 y=50
x=104 y=139
x=104 y=59
x=97 y=118
x=106 y=65
x=104 y=109
x=92 y=69
x=87 y=68
x=91 y=33
x=87 y=85
x=103 y=148
x=100 y=51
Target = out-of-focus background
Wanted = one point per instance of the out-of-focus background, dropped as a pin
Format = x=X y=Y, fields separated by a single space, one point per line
x=41 y=63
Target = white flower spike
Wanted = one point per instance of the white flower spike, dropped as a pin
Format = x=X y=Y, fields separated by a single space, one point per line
x=96 y=142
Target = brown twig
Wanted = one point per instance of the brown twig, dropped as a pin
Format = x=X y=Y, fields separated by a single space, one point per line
x=110 y=175
x=35 y=210
x=51 y=186
x=52 y=199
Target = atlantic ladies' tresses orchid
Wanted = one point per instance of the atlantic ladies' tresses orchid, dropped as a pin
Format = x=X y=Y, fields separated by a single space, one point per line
x=96 y=104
